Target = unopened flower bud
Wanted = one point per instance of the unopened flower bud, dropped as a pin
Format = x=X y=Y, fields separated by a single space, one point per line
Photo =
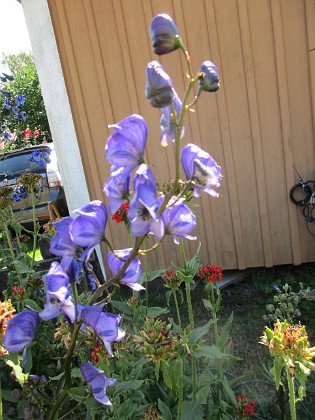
x=209 y=80
x=16 y=394
x=159 y=87
x=164 y=35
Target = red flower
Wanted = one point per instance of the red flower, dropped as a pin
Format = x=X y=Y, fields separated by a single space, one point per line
x=122 y=214
x=211 y=273
x=36 y=133
x=18 y=292
x=27 y=133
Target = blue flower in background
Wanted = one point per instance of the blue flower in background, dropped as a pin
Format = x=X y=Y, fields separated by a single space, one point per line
x=19 y=193
x=20 y=331
x=164 y=34
x=104 y=324
x=133 y=272
x=20 y=99
x=125 y=147
x=97 y=381
x=41 y=157
x=88 y=229
x=117 y=189
x=202 y=169
x=210 y=78
x=179 y=221
x=168 y=121
x=159 y=86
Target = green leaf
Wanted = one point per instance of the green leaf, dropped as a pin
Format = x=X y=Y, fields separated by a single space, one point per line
x=192 y=410
x=56 y=378
x=76 y=373
x=31 y=304
x=7 y=395
x=154 y=275
x=199 y=332
x=21 y=267
x=210 y=352
x=18 y=372
x=155 y=311
x=165 y=411
x=125 y=386
x=226 y=332
x=78 y=393
x=122 y=307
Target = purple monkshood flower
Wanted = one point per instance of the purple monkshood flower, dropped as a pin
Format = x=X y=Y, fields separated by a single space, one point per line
x=133 y=272
x=125 y=147
x=58 y=299
x=20 y=331
x=104 y=324
x=97 y=381
x=210 y=78
x=168 y=121
x=143 y=208
x=62 y=244
x=164 y=34
x=88 y=229
x=117 y=190
x=179 y=221
x=40 y=157
x=202 y=169
x=159 y=86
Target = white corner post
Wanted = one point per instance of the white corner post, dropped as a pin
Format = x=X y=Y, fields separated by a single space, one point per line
x=47 y=61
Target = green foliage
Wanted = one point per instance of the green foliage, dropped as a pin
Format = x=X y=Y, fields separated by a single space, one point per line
x=22 y=68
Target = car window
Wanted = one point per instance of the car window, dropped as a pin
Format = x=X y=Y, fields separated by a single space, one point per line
x=13 y=166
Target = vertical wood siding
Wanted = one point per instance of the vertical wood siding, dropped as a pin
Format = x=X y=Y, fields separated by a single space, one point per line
x=257 y=126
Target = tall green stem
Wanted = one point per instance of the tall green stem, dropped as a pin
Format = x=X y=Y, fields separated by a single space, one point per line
x=34 y=226
x=290 y=379
x=9 y=240
x=177 y=310
x=181 y=390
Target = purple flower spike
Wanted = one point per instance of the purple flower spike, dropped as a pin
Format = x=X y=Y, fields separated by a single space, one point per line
x=168 y=122
x=62 y=244
x=133 y=272
x=164 y=35
x=210 y=78
x=202 y=169
x=104 y=324
x=88 y=228
x=159 y=86
x=20 y=332
x=179 y=221
x=125 y=147
x=97 y=381
x=117 y=190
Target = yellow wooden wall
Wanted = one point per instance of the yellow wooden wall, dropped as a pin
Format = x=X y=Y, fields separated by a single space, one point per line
x=257 y=126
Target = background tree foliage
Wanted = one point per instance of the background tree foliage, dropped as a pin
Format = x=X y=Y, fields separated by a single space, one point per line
x=25 y=82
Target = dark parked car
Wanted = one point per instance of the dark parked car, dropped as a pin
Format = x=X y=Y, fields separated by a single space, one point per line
x=42 y=160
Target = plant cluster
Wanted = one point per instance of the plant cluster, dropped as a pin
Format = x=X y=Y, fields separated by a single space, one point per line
x=73 y=349
x=23 y=120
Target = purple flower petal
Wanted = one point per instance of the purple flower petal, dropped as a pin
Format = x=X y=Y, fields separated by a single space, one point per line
x=159 y=86
x=133 y=272
x=164 y=34
x=168 y=122
x=125 y=147
x=21 y=330
x=104 y=324
x=117 y=190
x=97 y=381
x=201 y=168
x=179 y=221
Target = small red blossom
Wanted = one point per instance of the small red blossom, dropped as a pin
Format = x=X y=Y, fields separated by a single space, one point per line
x=211 y=273
x=18 y=292
x=244 y=408
x=36 y=134
x=121 y=215
x=27 y=133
